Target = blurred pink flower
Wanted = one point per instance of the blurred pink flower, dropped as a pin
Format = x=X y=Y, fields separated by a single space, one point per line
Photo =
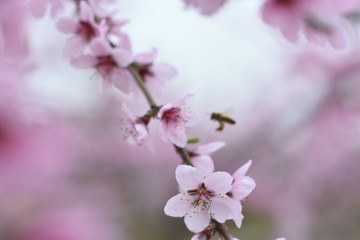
x=154 y=75
x=201 y=159
x=206 y=7
x=110 y=63
x=320 y=21
x=68 y=223
x=203 y=198
x=13 y=38
x=175 y=118
x=85 y=30
x=134 y=128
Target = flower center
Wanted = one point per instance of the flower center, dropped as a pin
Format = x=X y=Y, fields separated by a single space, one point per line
x=203 y=196
x=86 y=30
x=144 y=71
x=172 y=115
x=285 y=2
x=105 y=65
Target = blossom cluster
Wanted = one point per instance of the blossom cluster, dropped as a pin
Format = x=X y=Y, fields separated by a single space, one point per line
x=320 y=21
x=98 y=42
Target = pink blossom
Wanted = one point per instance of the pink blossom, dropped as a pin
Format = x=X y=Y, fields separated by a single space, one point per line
x=280 y=239
x=155 y=75
x=175 y=118
x=85 y=30
x=134 y=128
x=206 y=7
x=203 y=198
x=114 y=25
x=201 y=159
x=110 y=63
x=320 y=21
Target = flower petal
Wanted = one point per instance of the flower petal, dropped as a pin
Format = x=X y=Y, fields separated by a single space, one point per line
x=188 y=177
x=67 y=25
x=86 y=13
x=177 y=135
x=99 y=47
x=192 y=117
x=181 y=100
x=164 y=109
x=122 y=57
x=141 y=130
x=224 y=208
x=122 y=79
x=74 y=47
x=210 y=147
x=178 y=205
x=146 y=58
x=127 y=112
x=84 y=62
x=197 y=222
x=163 y=72
x=243 y=188
x=219 y=182
x=242 y=170
x=204 y=163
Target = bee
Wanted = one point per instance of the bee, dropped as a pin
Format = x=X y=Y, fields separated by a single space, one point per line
x=221 y=119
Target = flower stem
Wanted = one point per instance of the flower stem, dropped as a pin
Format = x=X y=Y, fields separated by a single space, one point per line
x=140 y=83
x=222 y=230
x=184 y=155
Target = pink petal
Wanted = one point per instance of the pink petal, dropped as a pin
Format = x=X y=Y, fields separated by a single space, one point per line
x=142 y=131
x=122 y=79
x=237 y=215
x=145 y=58
x=177 y=135
x=127 y=112
x=206 y=7
x=280 y=239
x=67 y=25
x=86 y=13
x=287 y=19
x=124 y=42
x=164 y=109
x=163 y=72
x=197 y=222
x=223 y=208
x=204 y=163
x=84 y=62
x=74 y=47
x=192 y=117
x=122 y=57
x=188 y=177
x=243 y=188
x=210 y=147
x=178 y=205
x=181 y=100
x=219 y=182
x=100 y=47
x=242 y=170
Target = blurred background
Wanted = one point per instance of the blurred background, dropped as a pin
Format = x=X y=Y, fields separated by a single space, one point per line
x=66 y=172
